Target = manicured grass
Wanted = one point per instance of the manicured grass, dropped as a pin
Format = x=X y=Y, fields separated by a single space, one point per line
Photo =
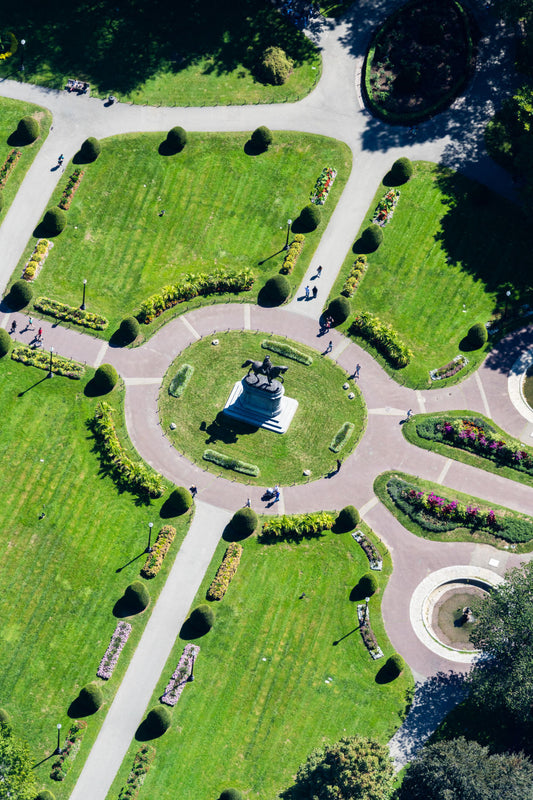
x=458 y=534
x=323 y=408
x=223 y=208
x=443 y=249
x=466 y=457
x=11 y=111
x=62 y=574
x=260 y=702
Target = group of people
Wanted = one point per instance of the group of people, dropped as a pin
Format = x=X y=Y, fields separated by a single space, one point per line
x=77 y=86
x=273 y=494
x=38 y=339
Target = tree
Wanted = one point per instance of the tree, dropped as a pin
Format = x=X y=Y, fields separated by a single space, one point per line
x=463 y=770
x=354 y=768
x=503 y=679
x=17 y=778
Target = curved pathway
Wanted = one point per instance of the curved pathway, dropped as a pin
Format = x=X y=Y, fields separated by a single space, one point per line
x=332 y=109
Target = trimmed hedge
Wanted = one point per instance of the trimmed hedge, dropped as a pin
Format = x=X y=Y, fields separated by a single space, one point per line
x=155 y=559
x=177 y=138
x=347 y=519
x=287 y=351
x=91 y=698
x=179 y=501
x=310 y=217
x=28 y=129
x=227 y=462
x=90 y=149
x=179 y=383
x=275 y=291
x=371 y=238
x=19 y=295
x=339 y=309
x=105 y=378
x=368 y=584
x=244 y=522
x=202 y=619
x=383 y=338
x=157 y=721
x=77 y=316
x=262 y=138
x=296 y=526
x=41 y=360
x=54 y=221
x=341 y=437
x=354 y=276
x=128 y=330
x=137 y=597
x=401 y=171
x=5 y=342
x=477 y=336
x=394 y=666
x=276 y=66
x=225 y=572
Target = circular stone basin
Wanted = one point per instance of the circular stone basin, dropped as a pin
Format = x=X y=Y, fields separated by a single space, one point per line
x=449 y=623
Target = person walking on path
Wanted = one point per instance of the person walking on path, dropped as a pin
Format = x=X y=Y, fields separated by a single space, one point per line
x=315 y=292
x=410 y=413
x=30 y=324
x=13 y=326
x=329 y=348
x=307 y=292
x=318 y=271
x=357 y=370
x=40 y=335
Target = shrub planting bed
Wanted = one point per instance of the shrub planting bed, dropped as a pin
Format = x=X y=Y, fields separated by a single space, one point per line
x=228 y=462
x=69 y=751
x=70 y=189
x=449 y=370
x=37 y=358
x=320 y=193
x=354 y=276
x=161 y=546
x=7 y=166
x=293 y=253
x=367 y=634
x=78 y=316
x=180 y=676
x=287 y=351
x=141 y=764
x=383 y=338
x=226 y=571
x=118 y=640
x=385 y=208
x=296 y=527
x=371 y=552
x=36 y=260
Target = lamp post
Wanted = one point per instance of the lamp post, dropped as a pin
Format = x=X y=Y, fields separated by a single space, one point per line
x=367 y=600
x=58 y=751
x=83 y=301
x=50 y=373
x=149 y=548
x=23 y=42
x=191 y=676
x=289 y=223
x=507 y=296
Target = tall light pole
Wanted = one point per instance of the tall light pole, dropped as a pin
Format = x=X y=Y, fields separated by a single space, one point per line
x=191 y=676
x=58 y=751
x=23 y=42
x=50 y=373
x=83 y=301
x=149 y=548
x=289 y=223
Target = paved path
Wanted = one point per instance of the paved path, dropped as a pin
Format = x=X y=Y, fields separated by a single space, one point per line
x=332 y=109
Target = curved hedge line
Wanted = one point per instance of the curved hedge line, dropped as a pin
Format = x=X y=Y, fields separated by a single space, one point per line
x=287 y=351
x=70 y=314
x=225 y=572
x=383 y=338
x=230 y=463
x=41 y=360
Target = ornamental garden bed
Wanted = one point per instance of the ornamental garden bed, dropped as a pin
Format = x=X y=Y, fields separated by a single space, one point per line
x=319 y=195
x=8 y=166
x=367 y=634
x=449 y=370
x=36 y=261
x=374 y=559
x=181 y=675
x=385 y=208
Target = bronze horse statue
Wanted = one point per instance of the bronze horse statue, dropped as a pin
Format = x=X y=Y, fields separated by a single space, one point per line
x=265 y=367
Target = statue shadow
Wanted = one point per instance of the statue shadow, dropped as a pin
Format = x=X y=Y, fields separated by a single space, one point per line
x=227 y=431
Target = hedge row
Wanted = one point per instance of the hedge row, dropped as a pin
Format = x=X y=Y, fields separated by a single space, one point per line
x=287 y=351
x=41 y=360
x=70 y=749
x=296 y=526
x=225 y=572
x=341 y=437
x=179 y=383
x=133 y=476
x=357 y=271
x=161 y=546
x=70 y=314
x=194 y=285
x=383 y=338
x=293 y=253
x=230 y=463
x=141 y=764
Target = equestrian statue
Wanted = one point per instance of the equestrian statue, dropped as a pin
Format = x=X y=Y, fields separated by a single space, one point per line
x=265 y=367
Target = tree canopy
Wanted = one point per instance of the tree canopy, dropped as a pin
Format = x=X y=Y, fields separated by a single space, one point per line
x=16 y=777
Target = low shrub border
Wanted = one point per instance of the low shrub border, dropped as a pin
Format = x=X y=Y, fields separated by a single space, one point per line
x=296 y=526
x=41 y=360
x=231 y=463
x=367 y=634
x=293 y=253
x=374 y=559
x=155 y=559
x=70 y=189
x=319 y=195
x=191 y=285
x=181 y=674
x=341 y=437
x=225 y=572
x=70 y=314
x=63 y=762
x=36 y=261
x=116 y=645
x=385 y=208
x=141 y=764
x=455 y=366
x=354 y=276
x=130 y=475
x=287 y=351
x=178 y=384
x=8 y=165
x=383 y=338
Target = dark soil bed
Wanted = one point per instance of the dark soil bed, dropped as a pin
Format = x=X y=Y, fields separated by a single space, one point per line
x=419 y=60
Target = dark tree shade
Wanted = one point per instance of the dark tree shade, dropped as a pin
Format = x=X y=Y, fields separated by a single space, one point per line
x=177 y=138
x=310 y=217
x=28 y=129
x=275 y=291
x=105 y=378
x=477 y=336
x=90 y=149
x=20 y=294
x=54 y=221
x=244 y=522
x=262 y=138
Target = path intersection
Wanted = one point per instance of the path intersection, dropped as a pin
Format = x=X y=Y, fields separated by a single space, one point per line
x=333 y=109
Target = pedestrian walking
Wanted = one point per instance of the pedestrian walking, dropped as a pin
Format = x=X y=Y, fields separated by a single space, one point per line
x=13 y=326
x=193 y=490
x=40 y=335
x=318 y=271
x=410 y=413
x=248 y=503
x=357 y=370
x=307 y=292
x=60 y=159
x=329 y=348
x=339 y=464
x=30 y=324
x=315 y=292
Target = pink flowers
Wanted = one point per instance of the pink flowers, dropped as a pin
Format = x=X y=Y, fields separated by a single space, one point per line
x=181 y=674
x=118 y=640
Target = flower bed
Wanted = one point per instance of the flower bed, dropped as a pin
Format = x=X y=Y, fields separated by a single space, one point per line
x=354 y=276
x=292 y=254
x=8 y=165
x=127 y=474
x=141 y=764
x=230 y=463
x=181 y=674
x=341 y=437
x=296 y=526
x=367 y=634
x=41 y=360
x=70 y=750
x=319 y=195
x=70 y=314
x=191 y=285
x=287 y=351
x=385 y=208
x=383 y=338
x=118 y=640
x=225 y=572
x=70 y=189
x=155 y=559
x=450 y=369
x=36 y=260
x=374 y=559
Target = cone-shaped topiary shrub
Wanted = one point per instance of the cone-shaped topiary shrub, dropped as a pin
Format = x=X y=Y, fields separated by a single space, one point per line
x=202 y=619
x=348 y=518
x=129 y=330
x=136 y=597
x=45 y=795
x=105 y=378
x=394 y=666
x=262 y=138
x=368 y=584
x=244 y=522
x=275 y=66
x=5 y=719
x=54 y=221
x=177 y=138
x=372 y=238
x=401 y=171
x=275 y=291
x=20 y=294
x=28 y=130
x=178 y=502
x=5 y=344
x=90 y=698
x=231 y=794
x=310 y=216
x=339 y=309
x=157 y=721
x=477 y=336
x=90 y=149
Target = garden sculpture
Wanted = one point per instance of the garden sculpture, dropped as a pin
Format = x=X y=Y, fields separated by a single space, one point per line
x=266 y=368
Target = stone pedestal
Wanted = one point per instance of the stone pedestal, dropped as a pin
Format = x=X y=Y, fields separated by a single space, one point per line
x=263 y=405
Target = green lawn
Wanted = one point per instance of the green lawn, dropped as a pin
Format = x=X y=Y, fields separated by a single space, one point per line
x=222 y=208
x=444 y=249
x=11 y=111
x=59 y=576
x=323 y=408
x=260 y=702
